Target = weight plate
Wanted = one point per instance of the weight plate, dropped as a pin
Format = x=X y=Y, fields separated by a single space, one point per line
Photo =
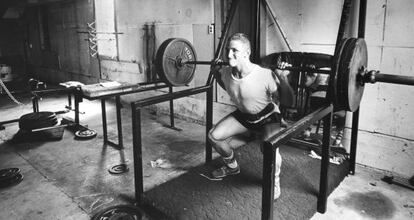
x=341 y=85
x=334 y=87
x=354 y=59
x=118 y=169
x=357 y=64
x=85 y=134
x=16 y=179
x=168 y=65
x=6 y=174
x=124 y=212
x=36 y=120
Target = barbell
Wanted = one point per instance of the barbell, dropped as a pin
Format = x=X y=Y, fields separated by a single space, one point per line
x=176 y=62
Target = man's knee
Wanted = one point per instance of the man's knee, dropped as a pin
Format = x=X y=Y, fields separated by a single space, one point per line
x=212 y=137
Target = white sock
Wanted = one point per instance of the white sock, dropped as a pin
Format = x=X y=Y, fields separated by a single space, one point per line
x=233 y=164
x=231 y=161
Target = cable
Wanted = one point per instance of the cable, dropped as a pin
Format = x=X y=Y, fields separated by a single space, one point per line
x=9 y=94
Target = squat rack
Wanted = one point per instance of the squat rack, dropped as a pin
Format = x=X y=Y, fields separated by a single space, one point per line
x=275 y=140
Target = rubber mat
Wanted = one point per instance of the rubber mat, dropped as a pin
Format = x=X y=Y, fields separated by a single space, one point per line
x=192 y=196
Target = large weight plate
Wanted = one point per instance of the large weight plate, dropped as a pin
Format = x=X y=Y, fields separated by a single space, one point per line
x=168 y=59
x=334 y=87
x=353 y=61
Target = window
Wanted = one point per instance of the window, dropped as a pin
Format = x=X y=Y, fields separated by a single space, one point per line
x=105 y=28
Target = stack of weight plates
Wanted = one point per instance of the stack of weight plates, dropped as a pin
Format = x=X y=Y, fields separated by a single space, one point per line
x=37 y=120
x=28 y=124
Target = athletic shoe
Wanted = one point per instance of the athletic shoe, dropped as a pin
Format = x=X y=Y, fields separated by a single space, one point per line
x=225 y=171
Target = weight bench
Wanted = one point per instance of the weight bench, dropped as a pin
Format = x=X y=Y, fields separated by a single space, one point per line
x=97 y=91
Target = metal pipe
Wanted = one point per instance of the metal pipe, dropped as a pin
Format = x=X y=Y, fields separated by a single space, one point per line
x=223 y=37
x=170 y=90
x=226 y=29
x=256 y=53
x=304 y=69
x=205 y=62
x=354 y=140
x=209 y=123
x=307 y=69
x=362 y=18
x=268 y=182
x=355 y=114
x=344 y=18
x=283 y=136
x=395 y=79
x=119 y=121
x=168 y=96
x=104 y=124
x=137 y=153
x=278 y=25
x=323 y=181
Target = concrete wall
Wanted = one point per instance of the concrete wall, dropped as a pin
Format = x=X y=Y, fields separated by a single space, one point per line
x=12 y=45
x=188 y=19
x=386 y=118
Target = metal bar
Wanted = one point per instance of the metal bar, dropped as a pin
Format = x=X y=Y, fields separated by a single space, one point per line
x=223 y=37
x=283 y=136
x=323 y=181
x=307 y=69
x=77 y=100
x=104 y=125
x=395 y=79
x=116 y=30
x=99 y=32
x=170 y=90
x=226 y=29
x=69 y=101
x=143 y=89
x=342 y=23
x=174 y=95
x=137 y=153
x=354 y=140
x=278 y=25
x=46 y=91
x=197 y=62
x=9 y=121
x=256 y=53
x=209 y=123
x=268 y=182
x=114 y=145
x=51 y=127
x=362 y=18
x=119 y=121
x=205 y=62
x=355 y=114
x=35 y=103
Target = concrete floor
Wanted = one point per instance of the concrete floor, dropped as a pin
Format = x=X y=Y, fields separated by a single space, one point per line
x=68 y=179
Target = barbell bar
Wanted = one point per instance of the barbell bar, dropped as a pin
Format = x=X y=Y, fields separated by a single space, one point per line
x=176 y=62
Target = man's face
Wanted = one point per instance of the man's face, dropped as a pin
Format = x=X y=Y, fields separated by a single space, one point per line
x=237 y=52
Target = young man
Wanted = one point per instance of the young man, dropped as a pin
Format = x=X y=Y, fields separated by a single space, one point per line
x=254 y=90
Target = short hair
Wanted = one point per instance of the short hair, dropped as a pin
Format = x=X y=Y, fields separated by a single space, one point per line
x=241 y=37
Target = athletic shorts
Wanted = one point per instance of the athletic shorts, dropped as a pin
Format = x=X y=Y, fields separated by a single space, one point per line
x=256 y=121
